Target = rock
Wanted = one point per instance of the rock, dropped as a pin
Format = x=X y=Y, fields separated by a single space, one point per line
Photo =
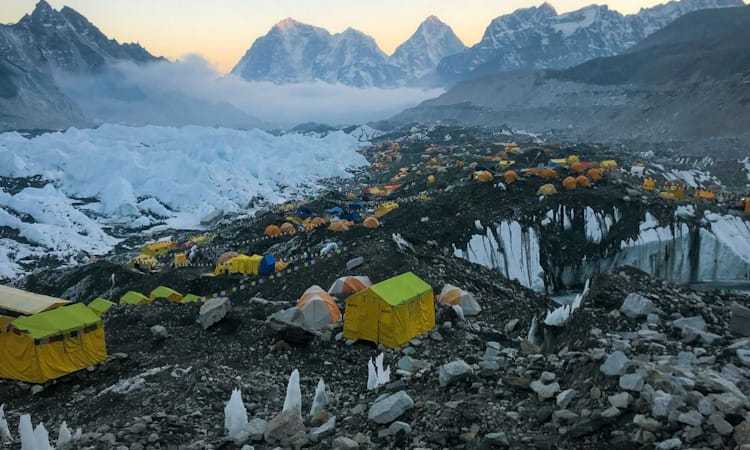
x=412 y=365
x=344 y=443
x=544 y=391
x=744 y=356
x=394 y=429
x=695 y=323
x=615 y=364
x=213 y=311
x=692 y=418
x=739 y=324
x=548 y=377
x=636 y=306
x=669 y=444
x=388 y=408
x=647 y=423
x=354 y=263
x=565 y=415
x=663 y=404
x=565 y=398
x=256 y=428
x=284 y=429
x=721 y=426
x=159 y=332
x=632 y=382
x=454 y=371
x=510 y=326
x=289 y=325
x=327 y=429
x=706 y=406
x=742 y=433
x=621 y=400
x=610 y=413
x=497 y=439
x=727 y=403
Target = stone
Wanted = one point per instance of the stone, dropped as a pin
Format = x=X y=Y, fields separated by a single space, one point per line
x=692 y=418
x=344 y=443
x=647 y=423
x=159 y=332
x=388 y=408
x=284 y=428
x=662 y=404
x=454 y=371
x=548 y=377
x=706 y=406
x=256 y=428
x=632 y=382
x=213 y=311
x=544 y=391
x=742 y=433
x=411 y=365
x=497 y=439
x=394 y=429
x=621 y=400
x=565 y=398
x=510 y=326
x=669 y=444
x=636 y=306
x=565 y=415
x=354 y=263
x=727 y=403
x=615 y=364
x=720 y=424
x=610 y=413
x=744 y=356
x=739 y=324
x=695 y=323
x=327 y=429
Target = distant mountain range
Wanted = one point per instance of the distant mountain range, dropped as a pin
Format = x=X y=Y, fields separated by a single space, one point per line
x=294 y=52
x=689 y=82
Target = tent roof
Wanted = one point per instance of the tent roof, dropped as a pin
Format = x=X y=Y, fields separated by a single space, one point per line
x=100 y=305
x=163 y=291
x=401 y=289
x=57 y=321
x=26 y=303
x=132 y=296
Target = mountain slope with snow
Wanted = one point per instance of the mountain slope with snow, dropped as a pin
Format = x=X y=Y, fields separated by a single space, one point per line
x=422 y=52
x=165 y=176
x=540 y=38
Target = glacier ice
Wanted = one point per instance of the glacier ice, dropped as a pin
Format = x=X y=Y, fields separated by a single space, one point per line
x=64 y=438
x=377 y=375
x=5 y=435
x=235 y=417
x=293 y=400
x=26 y=431
x=320 y=401
x=41 y=438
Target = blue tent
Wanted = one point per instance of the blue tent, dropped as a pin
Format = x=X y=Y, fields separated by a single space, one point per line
x=267 y=265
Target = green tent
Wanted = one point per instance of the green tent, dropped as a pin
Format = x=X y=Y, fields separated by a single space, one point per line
x=100 y=305
x=57 y=321
x=134 y=298
x=401 y=289
x=165 y=293
x=191 y=298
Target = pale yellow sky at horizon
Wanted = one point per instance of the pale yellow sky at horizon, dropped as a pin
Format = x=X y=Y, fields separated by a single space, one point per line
x=221 y=31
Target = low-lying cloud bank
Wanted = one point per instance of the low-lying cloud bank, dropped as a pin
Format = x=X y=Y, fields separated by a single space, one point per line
x=191 y=92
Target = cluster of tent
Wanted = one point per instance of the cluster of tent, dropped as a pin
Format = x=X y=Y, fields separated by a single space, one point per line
x=43 y=338
x=338 y=219
x=233 y=262
x=390 y=313
x=159 y=293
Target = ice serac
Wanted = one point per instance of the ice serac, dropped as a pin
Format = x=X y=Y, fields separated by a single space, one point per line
x=421 y=53
x=540 y=38
x=511 y=249
x=294 y=52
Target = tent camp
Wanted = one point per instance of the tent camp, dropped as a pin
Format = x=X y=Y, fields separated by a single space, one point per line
x=50 y=344
x=318 y=308
x=100 y=306
x=165 y=293
x=15 y=302
x=134 y=298
x=452 y=295
x=391 y=312
x=346 y=286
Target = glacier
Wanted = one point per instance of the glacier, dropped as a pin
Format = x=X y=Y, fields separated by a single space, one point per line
x=141 y=177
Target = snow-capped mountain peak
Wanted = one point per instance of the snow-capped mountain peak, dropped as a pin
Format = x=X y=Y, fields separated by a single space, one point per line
x=422 y=52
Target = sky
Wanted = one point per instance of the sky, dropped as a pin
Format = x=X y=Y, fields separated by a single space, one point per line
x=222 y=30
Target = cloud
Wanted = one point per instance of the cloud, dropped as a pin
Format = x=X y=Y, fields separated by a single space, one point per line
x=190 y=91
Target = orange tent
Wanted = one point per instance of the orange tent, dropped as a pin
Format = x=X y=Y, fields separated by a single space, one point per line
x=272 y=231
x=510 y=177
x=339 y=225
x=371 y=222
x=649 y=184
x=595 y=174
x=483 y=176
x=318 y=308
x=346 y=286
x=570 y=183
x=288 y=228
x=431 y=179
x=583 y=181
x=577 y=167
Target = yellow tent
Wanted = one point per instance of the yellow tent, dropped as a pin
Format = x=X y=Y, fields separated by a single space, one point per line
x=609 y=164
x=16 y=302
x=51 y=344
x=180 y=260
x=157 y=248
x=547 y=189
x=165 y=293
x=100 y=306
x=248 y=265
x=143 y=261
x=134 y=298
x=385 y=208
x=649 y=184
x=391 y=312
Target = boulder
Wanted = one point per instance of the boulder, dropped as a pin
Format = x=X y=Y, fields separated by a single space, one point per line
x=744 y=356
x=411 y=365
x=285 y=429
x=544 y=391
x=669 y=444
x=327 y=429
x=256 y=428
x=289 y=326
x=454 y=371
x=621 y=400
x=344 y=443
x=720 y=424
x=663 y=404
x=159 y=332
x=565 y=397
x=632 y=382
x=636 y=306
x=213 y=311
x=615 y=364
x=388 y=408
x=740 y=321
x=694 y=323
